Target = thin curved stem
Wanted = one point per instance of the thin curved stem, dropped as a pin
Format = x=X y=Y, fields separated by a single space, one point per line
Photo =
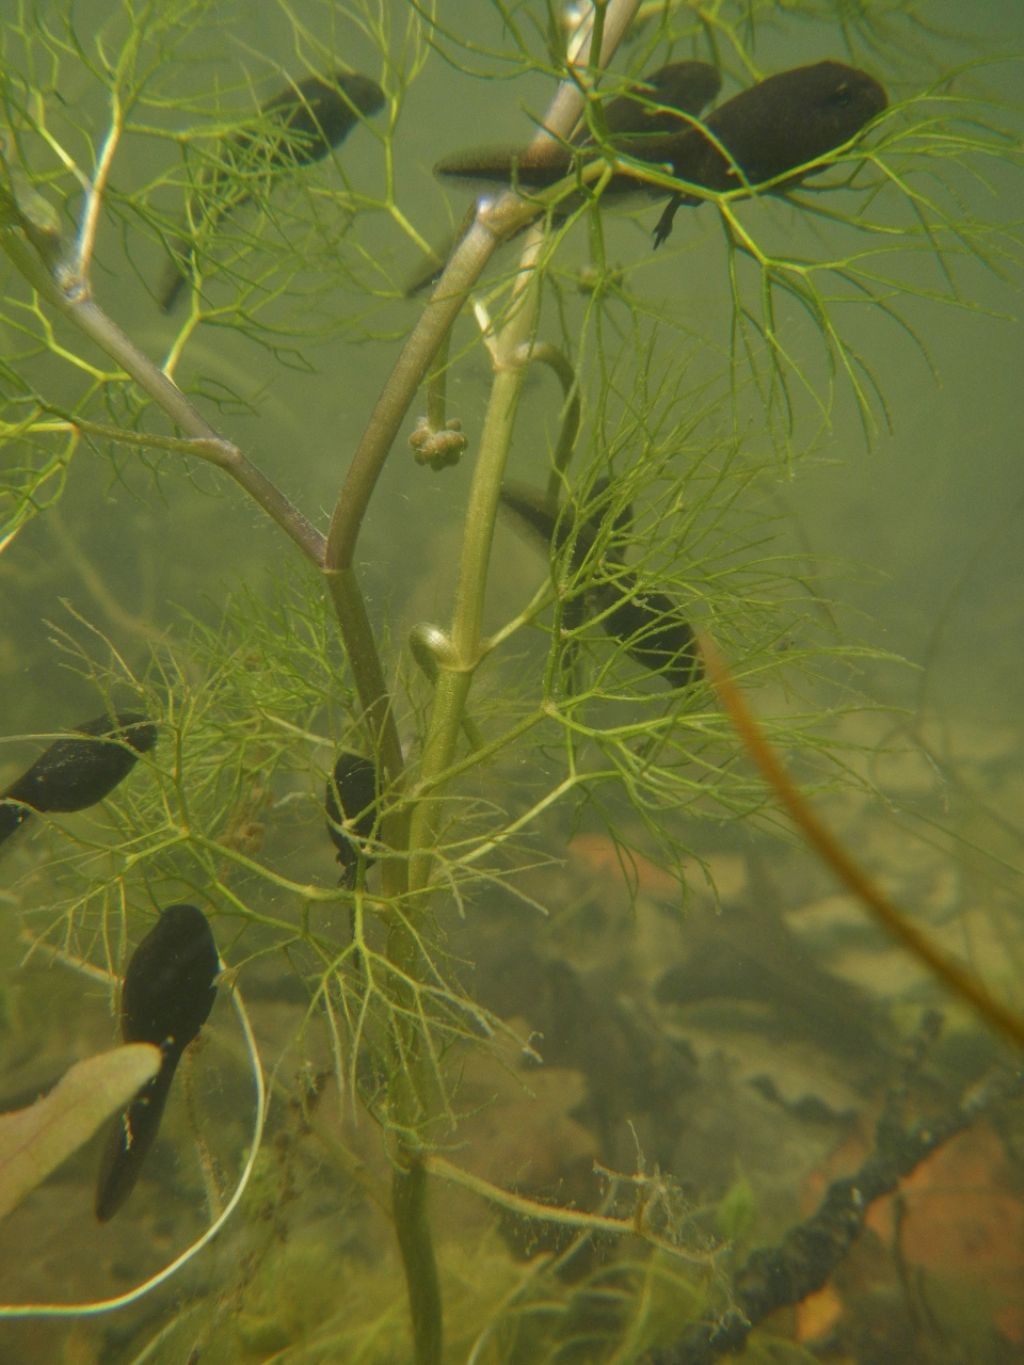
x=959 y=982
x=455 y=679
x=546 y=354
x=494 y=223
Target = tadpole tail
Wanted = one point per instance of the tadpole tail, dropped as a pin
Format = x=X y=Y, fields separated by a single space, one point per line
x=174 y=278
x=131 y=1136
x=170 y=289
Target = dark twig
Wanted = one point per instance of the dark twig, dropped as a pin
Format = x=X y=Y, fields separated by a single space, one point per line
x=808 y=1255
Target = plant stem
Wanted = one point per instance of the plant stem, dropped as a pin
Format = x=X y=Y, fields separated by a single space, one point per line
x=959 y=982
x=414 y=1083
x=73 y=301
x=511 y=360
x=558 y=363
x=412 y=1223
x=494 y=224
x=367 y=674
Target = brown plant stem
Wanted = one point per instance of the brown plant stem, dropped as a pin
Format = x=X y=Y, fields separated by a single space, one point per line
x=958 y=981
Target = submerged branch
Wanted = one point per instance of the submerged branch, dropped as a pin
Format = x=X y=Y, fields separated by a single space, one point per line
x=595 y=1224
x=802 y=1263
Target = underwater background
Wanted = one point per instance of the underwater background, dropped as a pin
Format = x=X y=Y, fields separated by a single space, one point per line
x=690 y=1026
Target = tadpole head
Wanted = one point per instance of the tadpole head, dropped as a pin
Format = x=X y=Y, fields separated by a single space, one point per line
x=168 y=989
x=350 y=801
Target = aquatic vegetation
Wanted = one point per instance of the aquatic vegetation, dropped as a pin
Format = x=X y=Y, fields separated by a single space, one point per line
x=493 y=1084
x=772 y=135
x=647 y=623
x=304 y=123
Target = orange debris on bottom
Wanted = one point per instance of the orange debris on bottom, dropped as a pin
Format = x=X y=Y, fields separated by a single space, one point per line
x=959 y=1217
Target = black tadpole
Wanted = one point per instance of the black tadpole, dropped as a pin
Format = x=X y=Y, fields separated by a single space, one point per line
x=776 y=127
x=772 y=132
x=659 y=103
x=297 y=127
x=167 y=996
x=557 y=526
x=678 y=88
x=648 y=624
x=78 y=769
x=651 y=628
x=663 y=105
x=350 y=806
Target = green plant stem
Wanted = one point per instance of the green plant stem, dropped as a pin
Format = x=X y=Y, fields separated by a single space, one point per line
x=73 y=301
x=495 y=223
x=410 y=1091
x=558 y=363
x=412 y=1224
x=511 y=358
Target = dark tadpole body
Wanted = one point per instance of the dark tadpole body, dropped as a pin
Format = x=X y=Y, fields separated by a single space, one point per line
x=776 y=127
x=166 y=998
x=78 y=769
x=557 y=526
x=678 y=89
x=648 y=624
x=681 y=88
x=651 y=628
x=297 y=127
x=350 y=806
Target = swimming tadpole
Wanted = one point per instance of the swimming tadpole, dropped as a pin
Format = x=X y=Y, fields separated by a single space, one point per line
x=657 y=104
x=78 y=769
x=771 y=132
x=296 y=127
x=557 y=527
x=350 y=804
x=650 y=625
x=167 y=995
x=663 y=104
x=777 y=127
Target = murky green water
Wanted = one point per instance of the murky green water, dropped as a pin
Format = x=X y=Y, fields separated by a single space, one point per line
x=634 y=1027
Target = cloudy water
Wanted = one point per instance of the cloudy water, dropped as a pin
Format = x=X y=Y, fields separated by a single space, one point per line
x=386 y=655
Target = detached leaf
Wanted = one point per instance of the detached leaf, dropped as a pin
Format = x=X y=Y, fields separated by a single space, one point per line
x=34 y=1141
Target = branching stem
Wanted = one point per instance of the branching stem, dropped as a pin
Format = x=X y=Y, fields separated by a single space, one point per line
x=60 y=286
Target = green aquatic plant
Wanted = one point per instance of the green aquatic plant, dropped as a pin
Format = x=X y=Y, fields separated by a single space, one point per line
x=557 y=682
